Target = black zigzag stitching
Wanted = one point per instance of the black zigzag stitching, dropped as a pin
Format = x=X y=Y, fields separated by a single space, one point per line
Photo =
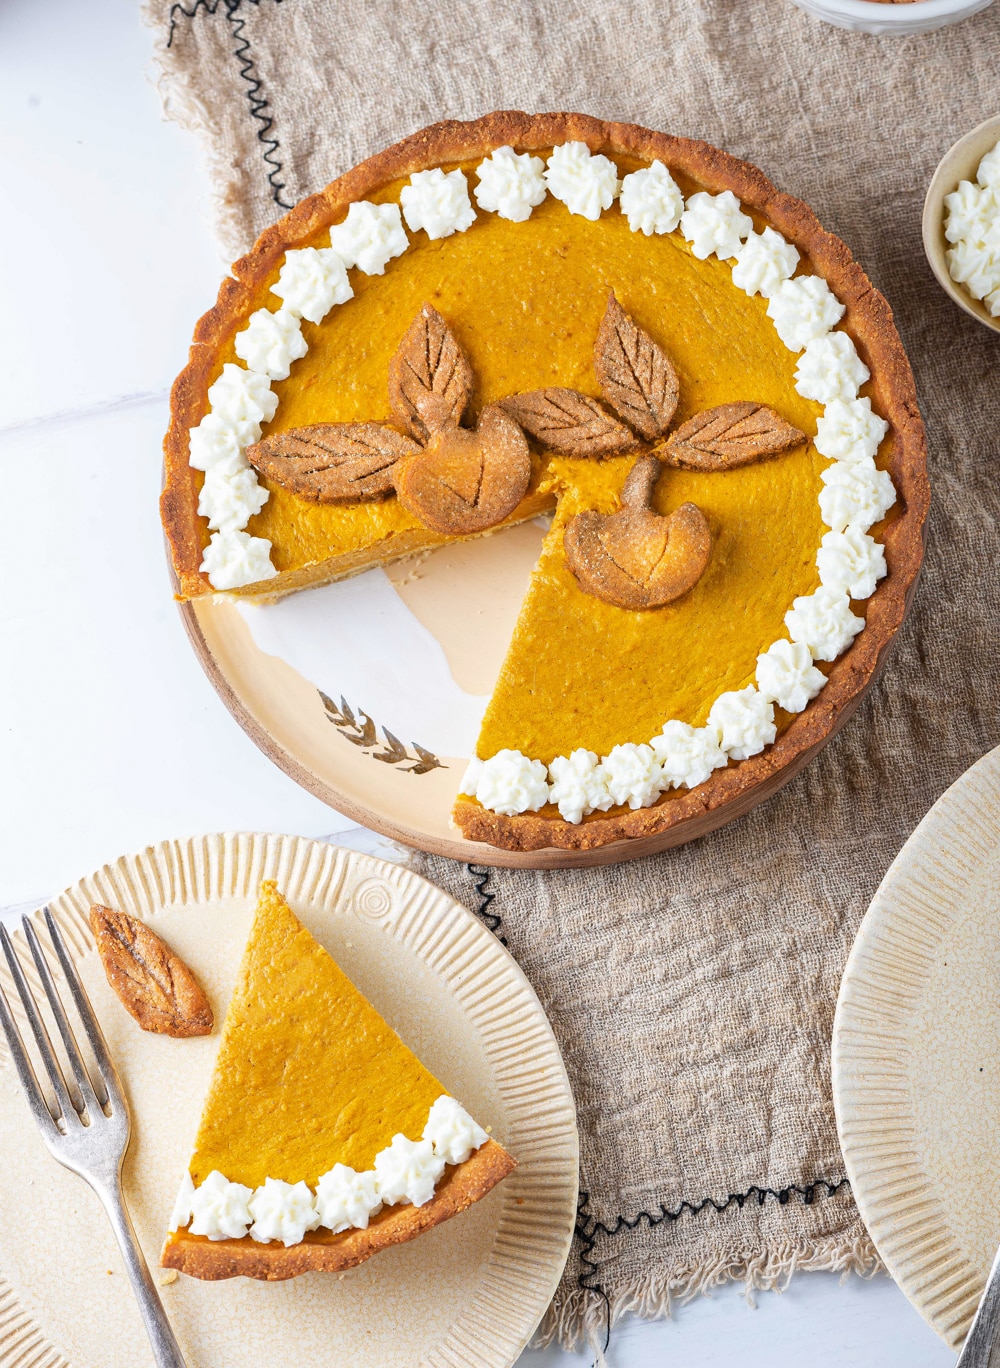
x=257 y=103
x=588 y=1228
x=481 y=878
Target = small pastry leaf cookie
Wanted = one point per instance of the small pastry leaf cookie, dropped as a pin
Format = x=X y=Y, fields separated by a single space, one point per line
x=430 y=378
x=154 y=984
x=569 y=422
x=730 y=435
x=636 y=376
x=333 y=462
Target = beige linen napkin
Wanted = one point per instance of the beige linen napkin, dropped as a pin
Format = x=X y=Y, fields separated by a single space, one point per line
x=692 y=993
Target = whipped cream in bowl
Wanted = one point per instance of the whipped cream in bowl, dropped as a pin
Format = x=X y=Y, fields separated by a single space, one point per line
x=961 y=223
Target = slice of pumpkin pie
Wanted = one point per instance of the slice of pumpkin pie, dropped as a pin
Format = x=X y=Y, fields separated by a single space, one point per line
x=323 y=1138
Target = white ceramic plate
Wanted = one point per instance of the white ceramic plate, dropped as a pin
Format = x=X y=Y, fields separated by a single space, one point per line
x=467 y=1294
x=868 y=16
x=916 y=1056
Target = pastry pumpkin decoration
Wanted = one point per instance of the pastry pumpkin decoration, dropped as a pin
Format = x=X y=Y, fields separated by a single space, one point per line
x=456 y=480
x=636 y=558
x=459 y=480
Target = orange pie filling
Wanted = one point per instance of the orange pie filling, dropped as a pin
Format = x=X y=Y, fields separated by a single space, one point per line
x=320 y=1128
x=597 y=705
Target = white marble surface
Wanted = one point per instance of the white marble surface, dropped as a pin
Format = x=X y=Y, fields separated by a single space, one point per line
x=111 y=736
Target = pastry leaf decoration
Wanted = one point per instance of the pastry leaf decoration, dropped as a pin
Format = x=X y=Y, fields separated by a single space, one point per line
x=569 y=422
x=636 y=376
x=333 y=462
x=430 y=378
x=637 y=558
x=459 y=481
x=730 y=435
x=155 y=985
x=454 y=479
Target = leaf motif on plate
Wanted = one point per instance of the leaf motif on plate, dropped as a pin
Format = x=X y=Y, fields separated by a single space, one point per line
x=567 y=421
x=155 y=985
x=430 y=378
x=636 y=376
x=365 y=734
x=333 y=462
x=394 y=749
x=730 y=435
x=427 y=761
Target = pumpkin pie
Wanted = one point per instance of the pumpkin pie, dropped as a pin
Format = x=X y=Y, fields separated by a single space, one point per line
x=635 y=333
x=323 y=1138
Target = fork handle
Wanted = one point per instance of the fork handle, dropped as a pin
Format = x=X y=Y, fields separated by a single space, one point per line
x=166 y=1350
x=984 y=1333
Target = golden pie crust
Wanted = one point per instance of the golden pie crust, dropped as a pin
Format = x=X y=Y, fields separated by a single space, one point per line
x=868 y=319
x=321 y=1251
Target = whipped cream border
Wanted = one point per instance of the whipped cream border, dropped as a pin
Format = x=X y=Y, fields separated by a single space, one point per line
x=740 y=722
x=405 y=1172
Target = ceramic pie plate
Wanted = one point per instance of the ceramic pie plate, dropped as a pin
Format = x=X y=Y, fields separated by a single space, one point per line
x=467 y=1294
x=916 y=1056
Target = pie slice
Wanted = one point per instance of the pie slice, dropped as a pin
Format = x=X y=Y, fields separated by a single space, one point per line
x=323 y=1138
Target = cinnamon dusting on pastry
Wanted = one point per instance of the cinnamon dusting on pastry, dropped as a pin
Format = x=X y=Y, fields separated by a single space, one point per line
x=636 y=376
x=728 y=436
x=333 y=462
x=155 y=985
x=637 y=558
x=466 y=481
x=463 y=480
x=567 y=421
x=430 y=378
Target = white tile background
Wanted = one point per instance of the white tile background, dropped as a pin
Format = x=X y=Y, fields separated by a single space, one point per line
x=110 y=735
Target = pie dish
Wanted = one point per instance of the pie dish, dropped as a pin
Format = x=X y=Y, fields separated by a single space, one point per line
x=575 y=751
x=307 y=1155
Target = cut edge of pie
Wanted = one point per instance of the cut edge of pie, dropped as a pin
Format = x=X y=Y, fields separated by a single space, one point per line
x=868 y=319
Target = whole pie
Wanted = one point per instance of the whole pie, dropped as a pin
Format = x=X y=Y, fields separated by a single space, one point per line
x=634 y=333
x=323 y=1138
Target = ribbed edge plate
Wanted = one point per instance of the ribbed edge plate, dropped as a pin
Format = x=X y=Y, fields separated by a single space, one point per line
x=467 y=1295
x=916 y=1056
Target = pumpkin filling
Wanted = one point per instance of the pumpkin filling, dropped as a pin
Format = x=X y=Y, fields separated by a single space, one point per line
x=623 y=379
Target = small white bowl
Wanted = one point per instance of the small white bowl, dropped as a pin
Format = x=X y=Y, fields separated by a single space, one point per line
x=867 y=16
x=958 y=164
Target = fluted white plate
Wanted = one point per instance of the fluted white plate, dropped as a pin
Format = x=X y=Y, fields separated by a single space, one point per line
x=916 y=1056
x=467 y=1294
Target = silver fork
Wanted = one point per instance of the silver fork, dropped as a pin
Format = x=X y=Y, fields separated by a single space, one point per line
x=87 y=1133
x=984 y=1332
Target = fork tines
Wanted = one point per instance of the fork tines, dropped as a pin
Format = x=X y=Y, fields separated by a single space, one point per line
x=86 y=1099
